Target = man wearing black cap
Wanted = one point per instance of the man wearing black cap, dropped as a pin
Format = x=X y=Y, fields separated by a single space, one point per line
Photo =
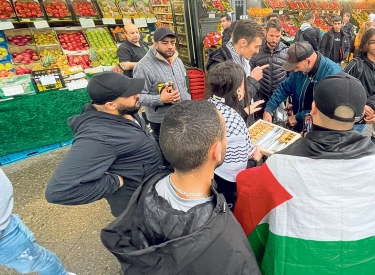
x=112 y=151
x=310 y=205
x=159 y=66
x=309 y=68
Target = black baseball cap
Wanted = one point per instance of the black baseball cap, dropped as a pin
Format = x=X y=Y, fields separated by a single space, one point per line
x=297 y=52
x=340 y=90
x=107 y=86
x=160 y=33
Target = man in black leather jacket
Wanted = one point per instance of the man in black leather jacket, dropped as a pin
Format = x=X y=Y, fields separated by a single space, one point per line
x=247 y=38
x=274 y=53
x=177 y=223
x=363 y=68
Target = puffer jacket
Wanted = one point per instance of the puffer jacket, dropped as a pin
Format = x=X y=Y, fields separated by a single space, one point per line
x=274 y=74
x=367 y=77
x=151 y=237
x=296 y=85
x=310 y=34
x=326 y=45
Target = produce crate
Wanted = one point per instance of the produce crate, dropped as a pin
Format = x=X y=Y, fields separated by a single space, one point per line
x=109 y=9
x=18 y=85
x=28 y=10
x=99 y=38
x=44 y=36
x=16 y=51
x=8 y=12
x=144 y=9
x=127 y=9
x=57 y=10
x=69 y=45
x=85 y=9
x=271 y=138
x=19 y=36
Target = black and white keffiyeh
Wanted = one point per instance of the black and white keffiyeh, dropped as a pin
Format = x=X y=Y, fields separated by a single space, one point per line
x=239 y=143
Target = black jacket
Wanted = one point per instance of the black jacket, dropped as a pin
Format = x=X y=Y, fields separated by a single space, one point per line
x=151 y=237
x=326 y=45
x=223 y=54
x=367 y=77
x=274 y=74
x=226 y=36
x=348 y=28
x=309 y=34
x=104 y=146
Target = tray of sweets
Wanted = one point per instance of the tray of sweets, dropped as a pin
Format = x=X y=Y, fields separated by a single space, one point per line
x=271 y=138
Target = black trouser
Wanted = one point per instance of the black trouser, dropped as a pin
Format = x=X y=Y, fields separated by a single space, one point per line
x=228 y=189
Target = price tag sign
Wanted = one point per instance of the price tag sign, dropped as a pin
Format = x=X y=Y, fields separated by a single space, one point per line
x=47 y=80
x=109 y=21
x=41 y=24
x=13 y=90
x=75 y=85
x=126 y=20
x=300 y=13
x=211 y=15
x=151 y=20
x=281 y=12
x=140 y=22
x=87 y=23
x=7 y=25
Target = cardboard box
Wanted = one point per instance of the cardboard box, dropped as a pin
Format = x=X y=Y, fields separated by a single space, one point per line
x=84 y=4
x=271 y=138
x=44 y=36
x=18 y=32
x=70 y=30
x=28 y=10
x=57 y=10
x=109 y=9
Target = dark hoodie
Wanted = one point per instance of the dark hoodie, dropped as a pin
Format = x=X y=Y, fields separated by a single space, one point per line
x=151 y=237
x=104 y=146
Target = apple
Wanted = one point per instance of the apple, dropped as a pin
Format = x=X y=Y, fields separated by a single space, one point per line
x=29 y=9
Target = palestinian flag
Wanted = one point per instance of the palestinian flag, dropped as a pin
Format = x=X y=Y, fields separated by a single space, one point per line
x=308 y=216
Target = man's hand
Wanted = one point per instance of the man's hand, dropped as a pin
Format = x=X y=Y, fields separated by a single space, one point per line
x=368 y=111
x=267 y=117
x=254 y=107
x=171 y=97
x=257 y=72
x=257 y=155
x=292 y=120
x=121 y=180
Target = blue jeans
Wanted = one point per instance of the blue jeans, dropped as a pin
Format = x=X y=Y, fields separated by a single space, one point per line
x=20 y=251
x=360 y=127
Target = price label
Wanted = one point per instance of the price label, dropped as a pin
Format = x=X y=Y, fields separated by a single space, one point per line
x=300 y=13
x=281 y=12
x=140 y=22
x=87 y=23
x=47 y=80
x=211 y=15
x=151 y=20
x=7 y=25
x=13 y=90
x=109 y=21
x=126 y=20
x=41 y=24
x=75 y=85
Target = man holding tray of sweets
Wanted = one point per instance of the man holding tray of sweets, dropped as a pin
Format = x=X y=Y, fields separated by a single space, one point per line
x=310 y=208
x=309 y=68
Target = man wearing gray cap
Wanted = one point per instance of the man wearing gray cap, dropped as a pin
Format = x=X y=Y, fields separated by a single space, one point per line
x=315 y=215
x=309 y=68
x=165 y=79
x=112 y=151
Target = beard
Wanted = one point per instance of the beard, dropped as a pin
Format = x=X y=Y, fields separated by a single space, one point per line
x=167 y=54
x=126 y=110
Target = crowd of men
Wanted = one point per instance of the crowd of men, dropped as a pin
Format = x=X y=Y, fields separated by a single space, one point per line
x=306 y=209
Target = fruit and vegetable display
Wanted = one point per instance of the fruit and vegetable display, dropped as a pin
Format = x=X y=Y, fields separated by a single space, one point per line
x=217 y=5
x=45 y=38
x=73 y=41
x=20 y=40
x=270 y=137
x=259 y=12
x=79 y=60
x=99 y=38
x=24 y=55
x=128 y=9
x=143 y=7
x=83 y=8
x=28 y=9
x=104 y=57
x=20 y=70
x=118 y=34
x=276 y=4
x=6 y=10
x=109 y=9
x=52 y=57
x=57 y=9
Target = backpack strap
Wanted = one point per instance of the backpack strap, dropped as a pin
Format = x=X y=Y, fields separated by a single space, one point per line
x=355 y=61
